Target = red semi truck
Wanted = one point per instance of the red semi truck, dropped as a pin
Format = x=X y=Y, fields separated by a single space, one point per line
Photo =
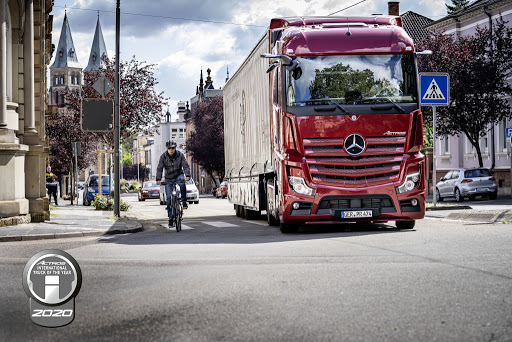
x=322 y=123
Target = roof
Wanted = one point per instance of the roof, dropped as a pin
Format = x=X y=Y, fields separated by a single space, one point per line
x=471 y=7
x=414 y=24
x=65 y=55
x=98 y=49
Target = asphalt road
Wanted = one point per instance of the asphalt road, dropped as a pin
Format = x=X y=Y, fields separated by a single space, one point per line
x=226 y=279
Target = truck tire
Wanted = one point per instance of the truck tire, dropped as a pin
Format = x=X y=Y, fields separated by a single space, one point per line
x=288 y=228
x=405 y=224
x=271 y=220
x=238 y=211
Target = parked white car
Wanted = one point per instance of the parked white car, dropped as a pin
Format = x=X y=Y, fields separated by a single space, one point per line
x=192 y=192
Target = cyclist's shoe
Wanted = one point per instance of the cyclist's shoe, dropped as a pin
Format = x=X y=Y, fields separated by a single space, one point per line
x=171 y=223
x=185 y=205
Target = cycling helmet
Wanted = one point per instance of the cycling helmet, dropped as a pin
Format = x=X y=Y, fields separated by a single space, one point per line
x=170 y=143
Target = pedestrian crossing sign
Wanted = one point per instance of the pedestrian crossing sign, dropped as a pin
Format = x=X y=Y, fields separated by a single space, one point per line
x=434 y=89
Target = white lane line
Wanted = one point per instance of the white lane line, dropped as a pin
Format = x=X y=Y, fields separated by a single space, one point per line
x=220 y=224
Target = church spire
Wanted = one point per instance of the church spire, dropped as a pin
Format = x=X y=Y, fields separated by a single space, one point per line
x=65 y=55
x=98 y=49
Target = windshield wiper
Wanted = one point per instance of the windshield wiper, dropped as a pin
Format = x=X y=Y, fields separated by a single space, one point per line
x=339 y=106
x=325 y=100
x=390 y=100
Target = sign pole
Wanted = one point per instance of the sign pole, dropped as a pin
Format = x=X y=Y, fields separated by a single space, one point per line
x=117 y=133
x=434 y=154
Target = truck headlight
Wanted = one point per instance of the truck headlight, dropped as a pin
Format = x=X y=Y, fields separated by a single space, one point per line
x=299 y=185
x=411 y=182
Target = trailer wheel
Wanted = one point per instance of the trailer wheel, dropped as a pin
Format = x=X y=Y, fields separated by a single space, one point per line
x=271 y=220
x=238 y=211
x=405 y=224
x=288 y=228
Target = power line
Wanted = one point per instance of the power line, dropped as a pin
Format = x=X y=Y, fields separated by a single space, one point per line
x=347 y=7
x=163 y=17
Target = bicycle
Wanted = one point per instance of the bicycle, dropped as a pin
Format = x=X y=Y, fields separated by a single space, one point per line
x=176 y=206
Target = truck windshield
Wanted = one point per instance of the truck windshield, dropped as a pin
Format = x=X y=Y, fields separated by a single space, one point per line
x=351 y=80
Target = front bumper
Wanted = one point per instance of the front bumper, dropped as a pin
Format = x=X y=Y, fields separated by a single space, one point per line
x=328 y=205
x=150 y=195
x=192 y=196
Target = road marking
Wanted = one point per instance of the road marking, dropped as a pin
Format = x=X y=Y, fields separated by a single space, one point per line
x=220 y=224
x=258 y=223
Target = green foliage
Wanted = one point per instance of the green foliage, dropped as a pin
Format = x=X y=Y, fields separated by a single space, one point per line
x=479 y=84
x=101 y=202
x=456 y=5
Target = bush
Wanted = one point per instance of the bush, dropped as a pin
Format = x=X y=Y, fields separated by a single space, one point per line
x=107 y=203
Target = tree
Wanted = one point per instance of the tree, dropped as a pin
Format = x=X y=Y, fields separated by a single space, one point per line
x=140 y=105
x=206 y=143
x=457 y=5
x=62 y=129
x=478 y=80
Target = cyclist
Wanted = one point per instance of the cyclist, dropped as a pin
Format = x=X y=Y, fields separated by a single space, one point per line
x=175 y=166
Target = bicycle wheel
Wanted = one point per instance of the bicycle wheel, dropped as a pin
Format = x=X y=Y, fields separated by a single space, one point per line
x=176 y=214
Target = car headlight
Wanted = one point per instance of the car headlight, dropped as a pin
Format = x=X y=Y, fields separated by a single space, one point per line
x=90 y=190
x=411 y=182
x=299 y=185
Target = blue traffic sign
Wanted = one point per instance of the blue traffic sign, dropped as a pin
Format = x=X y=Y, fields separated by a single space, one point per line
x=126 y=185
x=509 y=132
x=434 y=89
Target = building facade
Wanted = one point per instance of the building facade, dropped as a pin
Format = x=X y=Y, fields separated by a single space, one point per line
x=25 y=52
x=457 y=152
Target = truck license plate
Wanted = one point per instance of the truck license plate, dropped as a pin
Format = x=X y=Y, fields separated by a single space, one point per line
x=356 y=214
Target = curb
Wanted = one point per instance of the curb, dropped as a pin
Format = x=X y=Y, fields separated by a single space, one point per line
x=33 y=237
x=452 y=207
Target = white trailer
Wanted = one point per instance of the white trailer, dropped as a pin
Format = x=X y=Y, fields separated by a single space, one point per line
x=247 y=128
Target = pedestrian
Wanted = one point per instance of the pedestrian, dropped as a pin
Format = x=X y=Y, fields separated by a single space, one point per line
x=51 y=185
x=176 y=170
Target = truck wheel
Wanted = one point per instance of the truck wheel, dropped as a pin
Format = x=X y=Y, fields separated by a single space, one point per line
x=271 y=220
x=238 y=211
x=288 y=228
x=405 y=224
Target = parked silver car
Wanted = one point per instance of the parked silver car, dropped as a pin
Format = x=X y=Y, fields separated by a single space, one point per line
x=461 y=183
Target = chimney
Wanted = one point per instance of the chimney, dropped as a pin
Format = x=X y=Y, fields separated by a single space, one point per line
x=393 y=8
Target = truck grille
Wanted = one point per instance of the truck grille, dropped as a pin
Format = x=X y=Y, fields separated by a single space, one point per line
x=328 y=161
x=382 y=202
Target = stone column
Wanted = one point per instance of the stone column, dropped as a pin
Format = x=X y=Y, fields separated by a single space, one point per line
x=3 y=64
x=28 y=68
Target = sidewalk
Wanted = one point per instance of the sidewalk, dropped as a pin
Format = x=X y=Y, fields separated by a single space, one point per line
x=480 y=210
x=72 y=221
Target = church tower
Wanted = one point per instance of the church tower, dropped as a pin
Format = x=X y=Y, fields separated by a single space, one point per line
x=65 y=72
x=98 y=49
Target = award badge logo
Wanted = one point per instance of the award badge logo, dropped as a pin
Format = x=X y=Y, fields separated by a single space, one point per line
x=52 y=279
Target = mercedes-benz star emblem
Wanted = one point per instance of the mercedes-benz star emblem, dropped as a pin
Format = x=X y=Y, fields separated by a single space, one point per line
x=354 y=144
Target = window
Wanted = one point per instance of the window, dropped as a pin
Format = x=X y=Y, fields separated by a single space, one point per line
x=484 y=144
x=56 y=97
x=502 y=136
x=174 y=133
x=62 y=79
x=445 y=146
x=470 y=149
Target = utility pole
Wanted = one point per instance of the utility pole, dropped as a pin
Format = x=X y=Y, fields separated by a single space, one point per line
x=117 y=115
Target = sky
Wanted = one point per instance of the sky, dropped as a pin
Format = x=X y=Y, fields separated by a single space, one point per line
x=181 y=37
